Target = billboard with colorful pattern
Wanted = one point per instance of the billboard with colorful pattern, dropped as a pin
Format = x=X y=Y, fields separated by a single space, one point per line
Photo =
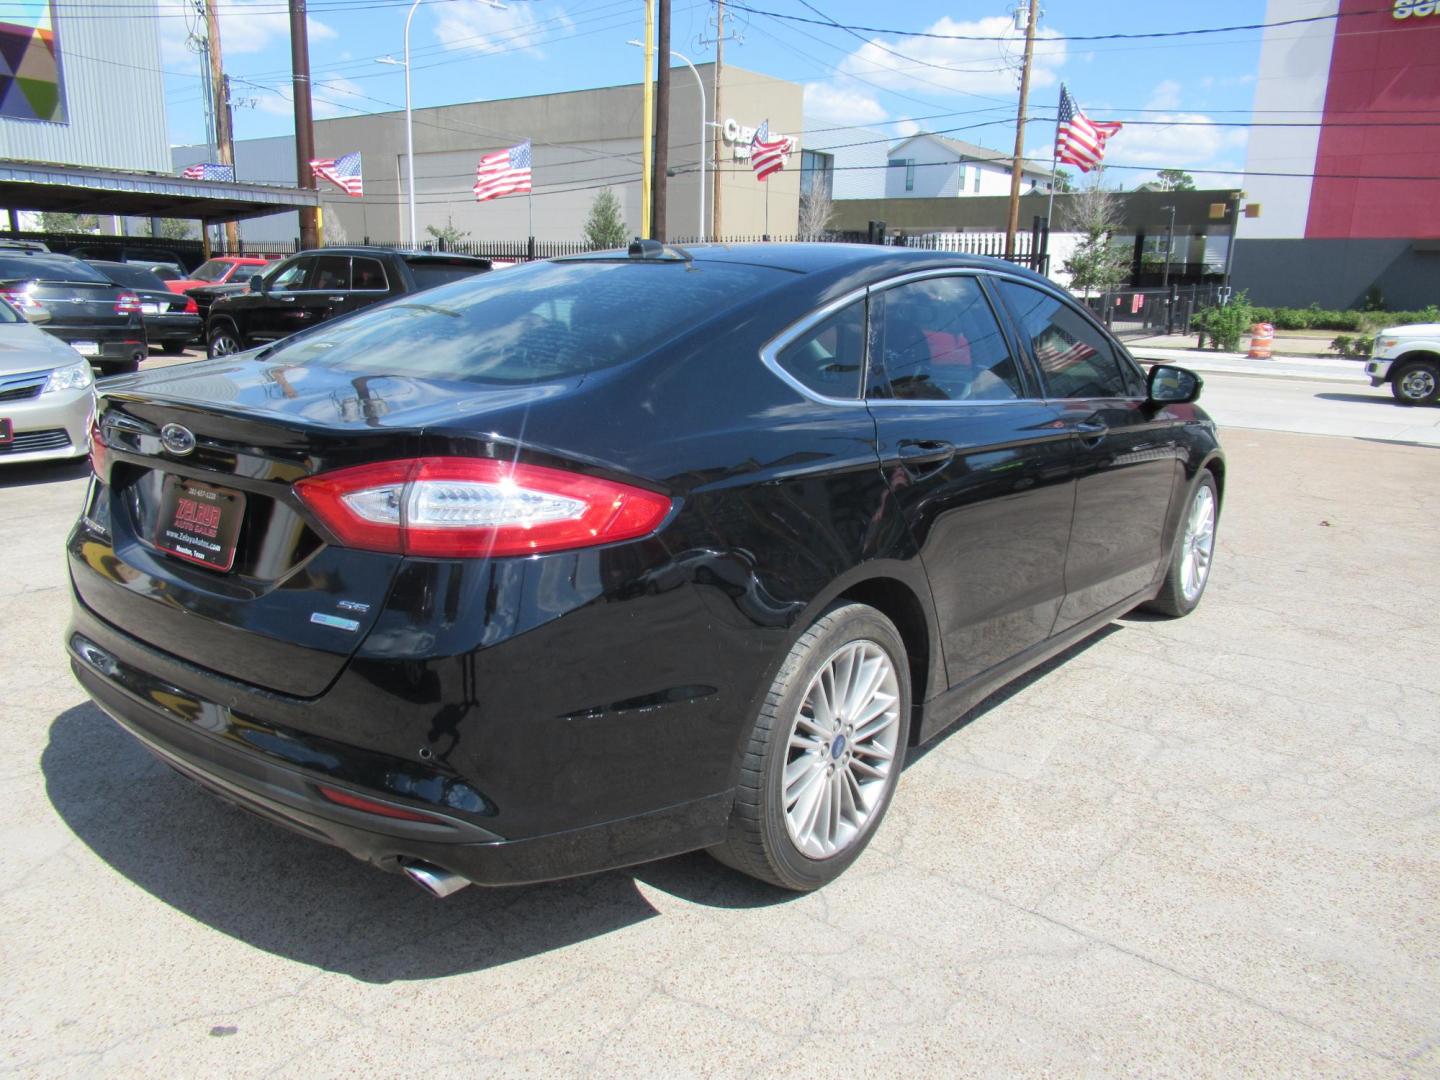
x=32 y=86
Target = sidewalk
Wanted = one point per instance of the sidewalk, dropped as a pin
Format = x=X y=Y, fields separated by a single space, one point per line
x=1324 y=368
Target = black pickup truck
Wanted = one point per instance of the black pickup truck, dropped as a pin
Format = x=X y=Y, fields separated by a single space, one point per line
x=312 y=286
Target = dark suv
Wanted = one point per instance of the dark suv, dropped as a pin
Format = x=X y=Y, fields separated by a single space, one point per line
x=312 y=286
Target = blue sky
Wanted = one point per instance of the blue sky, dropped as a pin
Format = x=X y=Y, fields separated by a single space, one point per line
x=465 y=51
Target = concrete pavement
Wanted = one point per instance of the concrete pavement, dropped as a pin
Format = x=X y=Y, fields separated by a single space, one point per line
x=1206 y=847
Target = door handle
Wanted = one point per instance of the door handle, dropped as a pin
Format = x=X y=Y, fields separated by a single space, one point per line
x=335 y=299
x=1091 y=432
x=919 y=456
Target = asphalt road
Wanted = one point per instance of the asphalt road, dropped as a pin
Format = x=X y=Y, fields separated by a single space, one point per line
x=1201 y=847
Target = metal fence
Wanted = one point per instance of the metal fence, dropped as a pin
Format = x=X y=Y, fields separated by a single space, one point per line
x=1151 y=312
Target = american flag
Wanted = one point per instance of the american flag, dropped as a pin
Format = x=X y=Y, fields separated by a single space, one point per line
x=343 y=172
x=768 y=155
x=209 y=171
x=505 y=172
x=1078 y=139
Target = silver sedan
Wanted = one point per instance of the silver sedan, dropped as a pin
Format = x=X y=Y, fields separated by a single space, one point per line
x=47 y=394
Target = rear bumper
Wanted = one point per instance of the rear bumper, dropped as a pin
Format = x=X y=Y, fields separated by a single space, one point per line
x=276 y=773
x=115 y=342
x=178 y=327
x=49 y=427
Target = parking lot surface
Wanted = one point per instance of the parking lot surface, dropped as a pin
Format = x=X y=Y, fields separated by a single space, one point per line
x=1202 y=847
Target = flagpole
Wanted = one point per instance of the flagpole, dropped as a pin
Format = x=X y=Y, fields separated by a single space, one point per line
x=530 y=214
x=767 y=208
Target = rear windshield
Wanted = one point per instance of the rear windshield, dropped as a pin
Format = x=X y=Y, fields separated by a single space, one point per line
x=213 y=270
x=137 y=277
x=432 y=272
x=533 y=323
x=47 y=268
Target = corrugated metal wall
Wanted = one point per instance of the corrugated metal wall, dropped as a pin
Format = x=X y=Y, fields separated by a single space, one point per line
x=114 y=93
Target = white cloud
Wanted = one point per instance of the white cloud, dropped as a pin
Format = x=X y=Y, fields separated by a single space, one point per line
x=1185 y=141
x=479 y=28
x=827 y=101
x=246 y=26
x=1166 y=95
x=958 y=67
x=906 y=127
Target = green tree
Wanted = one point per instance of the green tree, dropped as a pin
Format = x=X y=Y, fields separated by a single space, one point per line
x=1099 y=260
x=1170 y=180
x=53 y=222
x=1064 y=182
x=449 y=236
x=605 y=227
x=173 y=229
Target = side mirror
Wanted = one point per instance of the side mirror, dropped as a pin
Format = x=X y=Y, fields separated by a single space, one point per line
x=257 y=283
x=1169 y=385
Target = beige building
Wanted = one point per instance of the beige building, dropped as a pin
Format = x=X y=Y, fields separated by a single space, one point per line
x=582 y=141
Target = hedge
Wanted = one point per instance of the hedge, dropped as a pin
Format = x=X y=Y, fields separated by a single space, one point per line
x=1318 y=318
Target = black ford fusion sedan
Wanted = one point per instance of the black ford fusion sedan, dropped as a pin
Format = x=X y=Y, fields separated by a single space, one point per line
x=603 y=559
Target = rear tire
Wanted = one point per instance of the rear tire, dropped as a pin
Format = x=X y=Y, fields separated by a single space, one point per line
x=1417 y=383
x=172 y=348
x=1193 y=554
x=824 y=753
x=222 y=341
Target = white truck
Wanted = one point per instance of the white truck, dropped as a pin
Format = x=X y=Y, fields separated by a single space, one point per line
x=1408 y=358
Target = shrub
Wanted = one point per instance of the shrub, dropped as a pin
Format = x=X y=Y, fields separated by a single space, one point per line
x=1225 y=325
x=1358 y=347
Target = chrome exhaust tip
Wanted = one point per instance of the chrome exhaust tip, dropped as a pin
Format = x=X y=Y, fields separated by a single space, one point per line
x=435 y=881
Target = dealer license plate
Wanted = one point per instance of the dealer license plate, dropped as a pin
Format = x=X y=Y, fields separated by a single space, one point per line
x=149 y=309
x=199 y=523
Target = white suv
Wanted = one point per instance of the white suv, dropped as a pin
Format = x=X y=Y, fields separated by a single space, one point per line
x=1408 y=358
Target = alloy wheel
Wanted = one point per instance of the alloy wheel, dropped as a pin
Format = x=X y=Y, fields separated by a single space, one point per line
x=1199 y=543
x=222 y=344
x=1417 y=384
x=840 y=759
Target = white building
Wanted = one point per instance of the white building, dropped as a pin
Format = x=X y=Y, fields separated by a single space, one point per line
x=932 y=166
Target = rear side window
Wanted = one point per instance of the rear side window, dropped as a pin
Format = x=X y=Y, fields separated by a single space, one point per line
x=331 y=272
x=1074 y=358
x=532 y=323
x=829 y=358
x=48 y=268
x=431 y=272
x=941 y=342
x=367 y=275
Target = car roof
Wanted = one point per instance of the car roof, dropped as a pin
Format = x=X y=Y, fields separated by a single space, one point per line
x=403 y=253
x=809 y=258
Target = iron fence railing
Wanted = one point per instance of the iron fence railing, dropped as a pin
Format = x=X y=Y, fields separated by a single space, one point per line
x=1151 y=312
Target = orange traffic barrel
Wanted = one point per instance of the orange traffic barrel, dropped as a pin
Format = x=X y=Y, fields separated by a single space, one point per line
x=1262 y=336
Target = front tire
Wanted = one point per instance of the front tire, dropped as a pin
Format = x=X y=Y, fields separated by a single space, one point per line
x=1193 y=555
x=824 y=754
x=1417 y=383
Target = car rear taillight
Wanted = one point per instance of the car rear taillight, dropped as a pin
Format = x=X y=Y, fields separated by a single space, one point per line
x=190 y=307
x=22 y=301
x=370 y=806
x=477 y=507
x=127 y=303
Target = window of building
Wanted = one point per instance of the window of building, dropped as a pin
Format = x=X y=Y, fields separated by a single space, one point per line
x=976 y=188
x=829 y=357
x=941 y=342
x=908 y=164
x=817 y=173
x=1075 y=359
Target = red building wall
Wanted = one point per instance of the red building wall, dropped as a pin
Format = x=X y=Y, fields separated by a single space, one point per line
x=1384 y=72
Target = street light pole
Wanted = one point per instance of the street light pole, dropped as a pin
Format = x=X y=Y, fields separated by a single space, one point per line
x=704 y=134
x=409 y=123
x=1165 y=271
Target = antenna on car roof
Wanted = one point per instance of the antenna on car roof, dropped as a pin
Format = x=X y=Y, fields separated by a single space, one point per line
x=656 y=249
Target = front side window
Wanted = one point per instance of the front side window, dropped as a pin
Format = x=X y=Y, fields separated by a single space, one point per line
x=291 y=276
x=829 y=358
x=1074 y=358
x=940 y=341
x=367 y=275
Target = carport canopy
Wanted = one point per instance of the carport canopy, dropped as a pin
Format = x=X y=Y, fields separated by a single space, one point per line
x=77 y=189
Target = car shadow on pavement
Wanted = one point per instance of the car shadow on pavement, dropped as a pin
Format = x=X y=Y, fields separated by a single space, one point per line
x=313 y=904
x=1369 y=399
x=44 y=472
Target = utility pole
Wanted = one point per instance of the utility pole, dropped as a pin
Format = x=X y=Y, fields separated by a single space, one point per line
x=719 y=128
x=1013 y=221
x=304 y=125
x=647 y=122
x=662 y=124
x=220 y=88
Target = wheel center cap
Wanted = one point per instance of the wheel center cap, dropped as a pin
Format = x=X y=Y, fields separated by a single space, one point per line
x=837 y=747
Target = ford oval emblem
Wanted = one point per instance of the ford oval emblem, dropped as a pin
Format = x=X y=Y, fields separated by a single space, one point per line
x=177 y=440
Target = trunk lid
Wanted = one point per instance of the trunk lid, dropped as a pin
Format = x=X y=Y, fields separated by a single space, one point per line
x=80 y=303
x=291 y=608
